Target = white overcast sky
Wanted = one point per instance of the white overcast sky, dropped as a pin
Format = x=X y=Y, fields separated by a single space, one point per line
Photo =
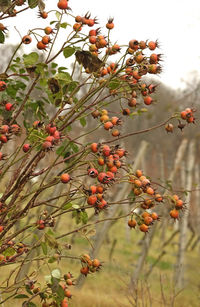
x=175 y=23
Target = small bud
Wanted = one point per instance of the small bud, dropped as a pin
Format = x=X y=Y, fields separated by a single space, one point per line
x=169 y=128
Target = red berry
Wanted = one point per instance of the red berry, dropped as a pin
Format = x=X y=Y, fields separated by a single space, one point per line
x=93 y=189
x=92 y=172
x=62 y=4
x=152 y=45
x=65 y=178
x=2 y=86
x=3 y=138
x=4 y=129
x=48 y=30
x=144 y=228
x=84 y=270
x=41 y=45
x=148 y=100
x=106 y=150
x=94 y=147
x=174 y=214
x=64 y=303
x=46 y=145
x=92 y=199
x=26 y=147
x=15 y=128
x=132 y=223
x=45 y=39
x=50 y=139
x=8 y=106
x=41 y=224
x=1 y=158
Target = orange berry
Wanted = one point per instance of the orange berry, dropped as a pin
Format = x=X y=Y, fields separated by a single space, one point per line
x=174 y=214
x=152 y=45
x=77 y=27
x=154 y=216
x=144 y=228
x=65 y=178
x=132 y=223
x=62 y=4
x=150 y=191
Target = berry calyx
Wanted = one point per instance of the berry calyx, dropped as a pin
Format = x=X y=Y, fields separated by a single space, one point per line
x=26 y=39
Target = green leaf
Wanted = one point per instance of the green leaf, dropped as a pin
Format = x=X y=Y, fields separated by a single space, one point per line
x=51 y=241
x=74 y=147
x=67 y=206
x=44 y=248
x=63 y=76
x=57 y=15
x=31 y=58
x=84 y=217
x=54 y=65
x=56 y=273
x=83 y=122
x=61 y=68
x=28 y=290
x=132 y=196
x=41 y=68
x=114 y=84
x=75 y=206
x=11 y=91
x=9 y=251
x=2 y=37
x=43 y=82
x=64 y=25
x=68 y=51
x=76 y=215
x=72 y=86
x=60 y=293
x=32 y=3
x=19 y=296
x=52 y=260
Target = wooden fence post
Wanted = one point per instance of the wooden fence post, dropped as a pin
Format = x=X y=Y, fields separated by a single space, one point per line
x=179 y=275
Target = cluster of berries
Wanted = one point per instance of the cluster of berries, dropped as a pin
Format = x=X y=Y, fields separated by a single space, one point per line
x=6 y=131
x=15 y=250
x=178 y=205
x=144 y=221
x=141 y=186
x=108 y=123
x=109 y=161
x=188 y=115
x=85 y=20
x=89 y=265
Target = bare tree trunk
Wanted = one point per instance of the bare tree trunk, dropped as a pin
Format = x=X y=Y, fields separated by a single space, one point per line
x=164 y=209
x=148 y=239
x=197 y=199
x=179 y=277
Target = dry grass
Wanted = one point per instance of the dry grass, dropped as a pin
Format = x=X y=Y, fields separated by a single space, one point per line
x=109 y=287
